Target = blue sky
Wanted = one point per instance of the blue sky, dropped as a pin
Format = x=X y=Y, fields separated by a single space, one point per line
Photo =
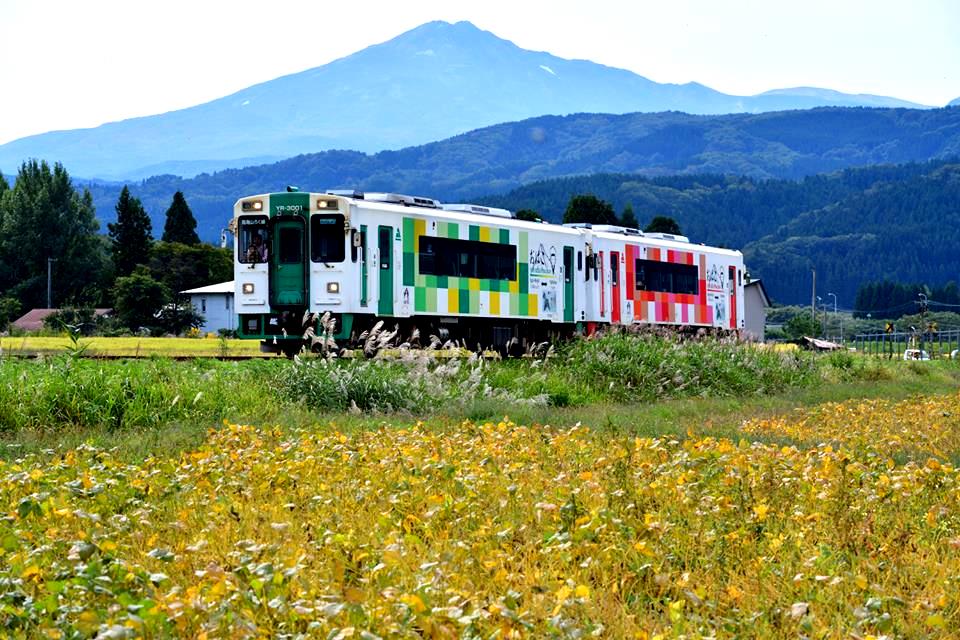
x=73 y=63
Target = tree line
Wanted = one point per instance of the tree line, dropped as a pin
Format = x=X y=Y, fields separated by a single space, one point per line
x=886 y=299
x=48 y=229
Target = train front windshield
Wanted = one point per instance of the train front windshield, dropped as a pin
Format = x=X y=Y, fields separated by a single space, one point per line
x=327 y=238
x=254 y=240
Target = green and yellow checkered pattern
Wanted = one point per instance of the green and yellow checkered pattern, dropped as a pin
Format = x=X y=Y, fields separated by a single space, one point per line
x=445 y=294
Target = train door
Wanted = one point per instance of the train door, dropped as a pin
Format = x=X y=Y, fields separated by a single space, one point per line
x=615 y=287
x=568 y=275
x=363 y=265
x=603 y=285
x=732 y=279
x=385 y=250
x=287 y=272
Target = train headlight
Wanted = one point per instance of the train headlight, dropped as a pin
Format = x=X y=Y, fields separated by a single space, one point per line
x=252 y=205
x=333 y=287
x=247 y=288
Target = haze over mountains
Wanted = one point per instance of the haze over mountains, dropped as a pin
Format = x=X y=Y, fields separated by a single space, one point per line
x=429 y=83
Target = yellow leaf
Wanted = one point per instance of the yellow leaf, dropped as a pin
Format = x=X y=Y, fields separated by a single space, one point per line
x=761 y=510
x=643 y=547
x=936 y=620
x=354 y=595
x=413 y=601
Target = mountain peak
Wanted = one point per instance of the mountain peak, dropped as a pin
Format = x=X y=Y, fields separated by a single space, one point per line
x=433 y=81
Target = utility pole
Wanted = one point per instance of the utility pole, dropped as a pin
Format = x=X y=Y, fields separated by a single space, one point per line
x=50 y=262
x=834 y=305
x=822 y=329
x=813 y=298
x=923 y=320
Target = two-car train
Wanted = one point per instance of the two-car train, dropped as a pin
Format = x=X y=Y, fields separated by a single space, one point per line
x=476 y=272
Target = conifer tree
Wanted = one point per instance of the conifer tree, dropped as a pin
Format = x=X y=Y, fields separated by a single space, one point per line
x=628 y=218
x=131 y=235
x=180 y=226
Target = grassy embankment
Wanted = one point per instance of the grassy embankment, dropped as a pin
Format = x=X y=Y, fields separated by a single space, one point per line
x=645 y=385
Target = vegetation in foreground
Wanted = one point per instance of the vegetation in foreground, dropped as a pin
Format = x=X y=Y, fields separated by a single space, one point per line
x=69 y=392
x=483 y=530
x=663 y=521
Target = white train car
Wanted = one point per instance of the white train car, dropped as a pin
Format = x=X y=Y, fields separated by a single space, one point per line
x=476 y=272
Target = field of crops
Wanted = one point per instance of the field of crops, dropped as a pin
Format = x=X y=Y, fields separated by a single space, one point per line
x=496 y=530
x=130 y=346
x=685 y=490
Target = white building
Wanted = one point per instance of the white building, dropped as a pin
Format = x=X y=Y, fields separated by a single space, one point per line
x=215 y=303
x=756 y=303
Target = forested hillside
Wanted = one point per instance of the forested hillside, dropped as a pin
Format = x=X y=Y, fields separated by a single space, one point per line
x=787 y=144
x=884 y=222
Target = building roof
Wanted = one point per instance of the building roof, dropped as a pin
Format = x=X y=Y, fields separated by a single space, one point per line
x=821 y=345
x=33 y=320
x=220 y=287
x=758 y=284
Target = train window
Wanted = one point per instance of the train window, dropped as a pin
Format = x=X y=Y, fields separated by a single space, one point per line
x=384 y=246
x=467 y=258
x=614 y=270
x=291 y=245
x=353 y=246
x=327 y=238
x=253 y=239
x=579 y=260
x=652 y=275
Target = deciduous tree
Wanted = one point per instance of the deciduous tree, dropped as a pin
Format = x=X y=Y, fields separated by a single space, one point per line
x=138 y=297
x=43 y=217
x=528 y=214
x=663 y=224
x=589 y=209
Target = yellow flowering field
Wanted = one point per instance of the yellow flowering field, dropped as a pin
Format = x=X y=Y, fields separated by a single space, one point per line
x=920 y=427
x=131 y=346
x=479 y=531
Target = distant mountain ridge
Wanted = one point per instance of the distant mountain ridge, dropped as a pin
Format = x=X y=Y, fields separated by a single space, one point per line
x=429 y=83
x=790 y=144
x=892 y=222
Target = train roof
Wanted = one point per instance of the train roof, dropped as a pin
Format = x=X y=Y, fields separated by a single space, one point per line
x=480 y=214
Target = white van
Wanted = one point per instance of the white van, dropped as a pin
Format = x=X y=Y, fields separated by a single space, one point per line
x=915 y=354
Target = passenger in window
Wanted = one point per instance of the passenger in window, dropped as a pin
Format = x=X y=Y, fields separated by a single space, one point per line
x=257 y=251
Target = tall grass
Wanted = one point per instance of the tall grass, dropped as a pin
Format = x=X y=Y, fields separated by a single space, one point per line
x=67 y=392
x=616 y=367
